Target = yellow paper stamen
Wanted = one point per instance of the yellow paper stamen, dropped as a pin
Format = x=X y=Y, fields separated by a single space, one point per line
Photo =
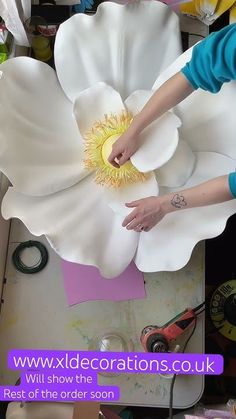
x=98 y=146
x=232 y=14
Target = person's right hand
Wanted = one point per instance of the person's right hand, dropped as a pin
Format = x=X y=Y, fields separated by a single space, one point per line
x=123 y=149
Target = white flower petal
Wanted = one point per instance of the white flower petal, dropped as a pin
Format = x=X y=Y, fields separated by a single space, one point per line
x=173 y=68
x=136 y=101
x=40 y=147
x=92 y=104
x=78 y=224
x=168 y=246
x=208 y=166
x=208 y=120
x=109 y=46
x=158 y=143
x=179 y=168
x=118 y=197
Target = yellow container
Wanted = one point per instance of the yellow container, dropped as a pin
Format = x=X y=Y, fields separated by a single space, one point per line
x=37 y=30
x=41 y=47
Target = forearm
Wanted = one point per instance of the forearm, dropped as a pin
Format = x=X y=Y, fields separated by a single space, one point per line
x=208 y=193
x=172 y=92
x=147 y=212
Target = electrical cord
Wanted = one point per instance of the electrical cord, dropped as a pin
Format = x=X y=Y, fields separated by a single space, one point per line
x=200 y=306
x=196 y=34
x=20 y=265
x=184 y=347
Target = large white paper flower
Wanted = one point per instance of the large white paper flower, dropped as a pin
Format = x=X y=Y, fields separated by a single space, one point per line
x=102 y=63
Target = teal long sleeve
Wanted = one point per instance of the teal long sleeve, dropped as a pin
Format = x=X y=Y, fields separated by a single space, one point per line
x=213 y=60
x=232 y=183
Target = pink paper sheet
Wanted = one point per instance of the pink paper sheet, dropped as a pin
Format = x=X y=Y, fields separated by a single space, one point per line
x=84 y=283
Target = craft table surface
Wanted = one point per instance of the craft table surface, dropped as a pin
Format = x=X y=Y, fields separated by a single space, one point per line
x=35 y=315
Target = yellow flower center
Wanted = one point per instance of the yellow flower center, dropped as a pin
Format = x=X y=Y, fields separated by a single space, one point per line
x=107 y=149
x=98 y=146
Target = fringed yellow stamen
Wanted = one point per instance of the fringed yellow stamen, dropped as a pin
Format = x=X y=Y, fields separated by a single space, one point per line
x=98 y=146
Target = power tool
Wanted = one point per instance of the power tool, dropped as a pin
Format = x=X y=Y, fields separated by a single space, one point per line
x=159 y=338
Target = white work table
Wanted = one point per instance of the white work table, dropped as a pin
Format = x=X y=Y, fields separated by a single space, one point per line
x=35 y=315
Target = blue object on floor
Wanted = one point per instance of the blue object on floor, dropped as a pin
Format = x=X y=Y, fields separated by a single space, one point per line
x=85 y=4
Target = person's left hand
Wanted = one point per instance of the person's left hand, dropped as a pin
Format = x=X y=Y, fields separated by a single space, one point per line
x=147 y=213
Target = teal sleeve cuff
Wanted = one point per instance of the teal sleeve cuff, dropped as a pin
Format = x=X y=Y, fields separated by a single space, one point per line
x=187 y=74
x=232 y=183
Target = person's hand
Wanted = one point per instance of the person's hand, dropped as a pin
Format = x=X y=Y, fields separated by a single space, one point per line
x=146 y=214
x=123 y=149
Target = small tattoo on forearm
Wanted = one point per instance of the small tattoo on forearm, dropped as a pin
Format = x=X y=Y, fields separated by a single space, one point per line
x=178 y=201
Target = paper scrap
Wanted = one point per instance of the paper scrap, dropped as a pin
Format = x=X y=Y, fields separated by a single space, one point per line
x=84 y=283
